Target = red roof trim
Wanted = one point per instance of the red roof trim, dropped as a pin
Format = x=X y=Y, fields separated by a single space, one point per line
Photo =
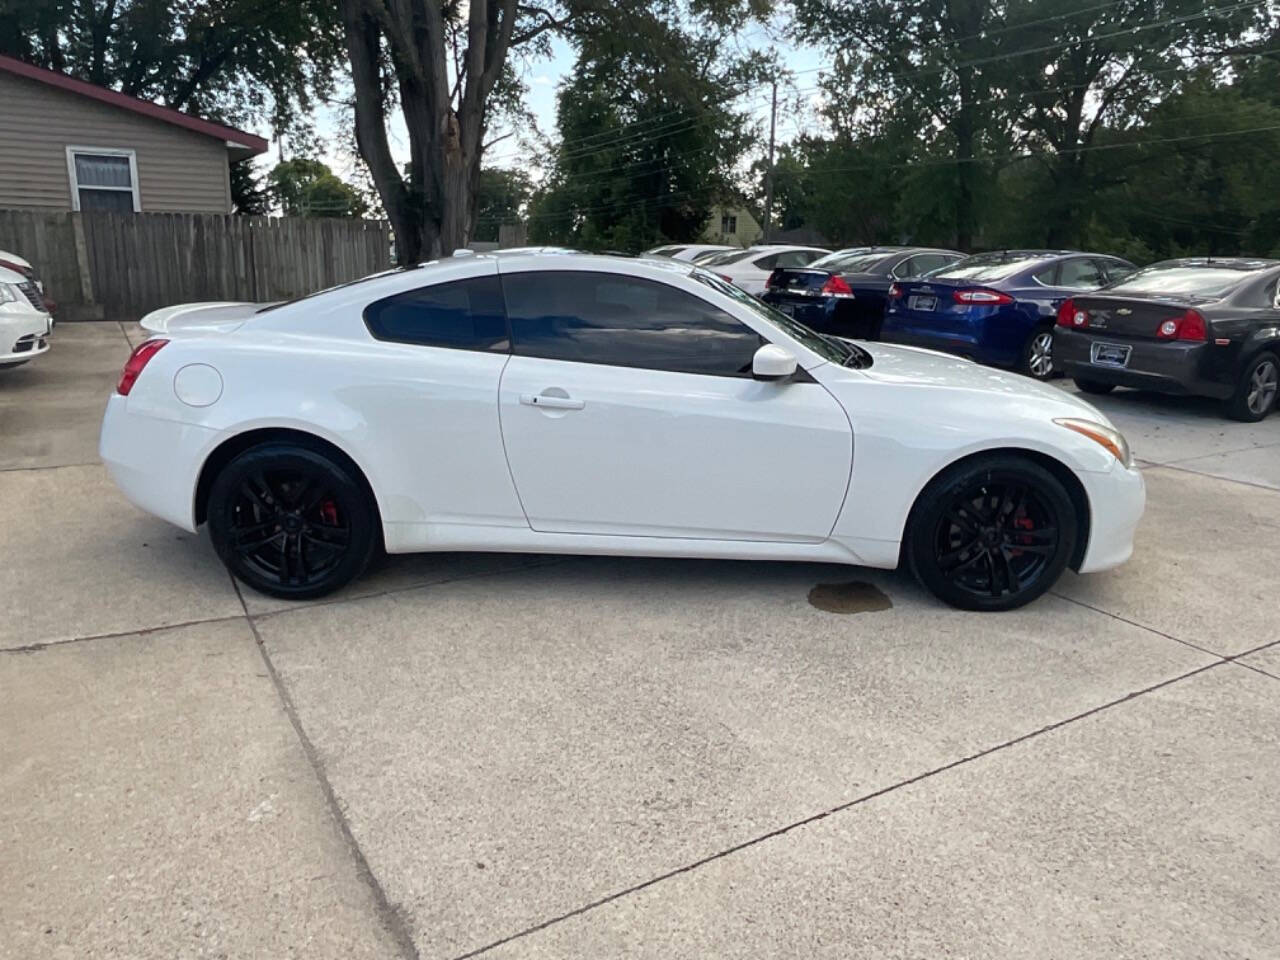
x=126 y=102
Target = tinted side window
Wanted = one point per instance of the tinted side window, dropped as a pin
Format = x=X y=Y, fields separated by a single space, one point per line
x=463 y=314
x=769 y=262
x=1080 y=275
x=1048 y=276
x=624 y=322
x=1117 y=269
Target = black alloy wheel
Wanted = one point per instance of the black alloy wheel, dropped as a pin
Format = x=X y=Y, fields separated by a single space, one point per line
x=1256 y=393
x=291 y=521
x=992 y=533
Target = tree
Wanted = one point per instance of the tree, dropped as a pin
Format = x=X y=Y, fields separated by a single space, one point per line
x=231 y=60
x=308 y=188
x=649 y=135
x=501 y=197
x=248 y=195
x=442 y=63
x=932 y=65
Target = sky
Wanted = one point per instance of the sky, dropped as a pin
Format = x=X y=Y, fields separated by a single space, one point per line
x=796 y=112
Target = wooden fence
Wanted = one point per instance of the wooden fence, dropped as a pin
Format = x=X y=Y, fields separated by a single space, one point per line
x=123 y=265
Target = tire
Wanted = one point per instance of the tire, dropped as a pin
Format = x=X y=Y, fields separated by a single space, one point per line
x=991 y=533
x=292 y=521
x=1255 y=395
x=1094 y=386
x=1037 y=354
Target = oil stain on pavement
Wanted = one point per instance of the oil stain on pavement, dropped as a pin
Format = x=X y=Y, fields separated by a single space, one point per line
x=852 y=597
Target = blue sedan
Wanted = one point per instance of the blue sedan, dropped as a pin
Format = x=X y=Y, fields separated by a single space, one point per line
x=997 y=308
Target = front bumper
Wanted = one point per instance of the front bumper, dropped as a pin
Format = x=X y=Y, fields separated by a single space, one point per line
x=1117 y=500
x=1165 y=366
x=155 y=463
x=23 y=335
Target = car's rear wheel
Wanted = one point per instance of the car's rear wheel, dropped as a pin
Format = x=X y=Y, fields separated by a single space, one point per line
x=1037 y=354
x=991 y=533
x=291 y=521
x=1255 y=395
x=1094 y=386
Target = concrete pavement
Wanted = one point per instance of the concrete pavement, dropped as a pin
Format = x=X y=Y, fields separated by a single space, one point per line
x=509 y=756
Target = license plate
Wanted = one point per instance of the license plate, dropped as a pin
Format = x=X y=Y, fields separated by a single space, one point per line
x=1110 y=354
x=922 y=303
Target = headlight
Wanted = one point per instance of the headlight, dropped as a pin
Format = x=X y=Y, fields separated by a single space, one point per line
x=10 y=294
x=1104 y=436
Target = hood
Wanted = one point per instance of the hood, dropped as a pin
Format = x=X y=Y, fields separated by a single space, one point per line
x=894 y=363
x=220 y=317
x=10 y=276
x=15 y=259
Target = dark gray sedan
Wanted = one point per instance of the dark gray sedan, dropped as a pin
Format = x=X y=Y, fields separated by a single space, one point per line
x=1204 y=326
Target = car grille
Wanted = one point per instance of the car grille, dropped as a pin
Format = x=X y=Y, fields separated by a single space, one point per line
x=32 y=293
x=25 y=344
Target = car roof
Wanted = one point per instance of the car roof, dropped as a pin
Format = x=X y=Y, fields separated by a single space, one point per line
x=1220 y=263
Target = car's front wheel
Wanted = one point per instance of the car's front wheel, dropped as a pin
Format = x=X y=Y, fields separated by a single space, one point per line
x=291 y=521
x=991 y=533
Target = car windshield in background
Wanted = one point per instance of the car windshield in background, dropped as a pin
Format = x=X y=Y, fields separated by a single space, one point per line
x=725 y=257
x=986 y=267
x=1210 y=283
x=837 y=351
x=850 y=263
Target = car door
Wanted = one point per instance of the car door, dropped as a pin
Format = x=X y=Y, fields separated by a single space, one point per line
x=628 y=408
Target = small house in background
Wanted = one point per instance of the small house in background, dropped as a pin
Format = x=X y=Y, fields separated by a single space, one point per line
x=732 y=224
x=72 y=145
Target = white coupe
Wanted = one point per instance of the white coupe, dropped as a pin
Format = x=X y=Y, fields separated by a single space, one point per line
x=568 y=403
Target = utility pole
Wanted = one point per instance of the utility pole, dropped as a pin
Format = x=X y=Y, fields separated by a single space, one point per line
x=768 y=181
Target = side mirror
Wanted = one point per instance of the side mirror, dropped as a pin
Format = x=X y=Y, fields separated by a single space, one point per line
x=771 y=362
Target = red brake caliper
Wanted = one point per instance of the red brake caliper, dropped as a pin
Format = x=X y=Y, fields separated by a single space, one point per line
x=329 y=513
x=1022 y=523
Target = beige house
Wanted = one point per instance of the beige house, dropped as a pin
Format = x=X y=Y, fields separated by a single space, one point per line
x=733 y=225
x=72 y=145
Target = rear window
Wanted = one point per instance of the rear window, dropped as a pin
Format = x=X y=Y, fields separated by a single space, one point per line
x=986 y=267
x=463 y=315
x=851 y=262
x=1208 y=282
x=723 y=259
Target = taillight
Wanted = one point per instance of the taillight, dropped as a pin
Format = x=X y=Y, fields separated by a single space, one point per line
x=1071 y=316
x=984 y=298
x=836 y=287
x=895 y=291
x=772 y=280
x=1189 y=326
x=136 y=362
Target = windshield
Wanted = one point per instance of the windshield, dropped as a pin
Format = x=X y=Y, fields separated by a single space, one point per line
x=850 y=262
x=833 y=349
x=986 y=267
x=1208 y=282
x=725 y=257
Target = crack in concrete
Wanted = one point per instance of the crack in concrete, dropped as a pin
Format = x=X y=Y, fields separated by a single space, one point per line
x=392 y=917
x=840 y=808
x=1214 y=476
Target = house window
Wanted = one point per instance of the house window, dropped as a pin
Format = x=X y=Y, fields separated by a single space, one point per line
x=103 y=179
x=728 y=223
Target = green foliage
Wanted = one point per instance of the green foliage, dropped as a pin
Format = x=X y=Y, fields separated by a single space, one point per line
x=231 y=60
x=308 y=188
x=248 y=194
x=501 y=197
x=648 y=134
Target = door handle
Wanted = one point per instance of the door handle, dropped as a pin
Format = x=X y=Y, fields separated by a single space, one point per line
x=554 y=403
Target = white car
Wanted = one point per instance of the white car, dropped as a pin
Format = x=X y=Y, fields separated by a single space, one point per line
x=582 y=404
x=750 y=268
x=25 y=325
x=687 y=251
